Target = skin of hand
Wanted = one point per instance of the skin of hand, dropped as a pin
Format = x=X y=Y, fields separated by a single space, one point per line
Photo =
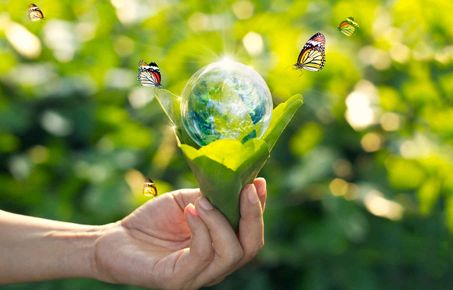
x=180 y=241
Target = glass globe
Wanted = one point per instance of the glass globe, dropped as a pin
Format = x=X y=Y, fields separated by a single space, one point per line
x=225 y=100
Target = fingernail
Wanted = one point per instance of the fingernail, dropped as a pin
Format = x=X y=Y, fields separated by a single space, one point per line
x=205 y=204
x=262 y=193
x=191 y=209
x=251 y=194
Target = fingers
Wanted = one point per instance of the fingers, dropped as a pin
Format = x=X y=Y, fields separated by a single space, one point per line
x=251 y=225
x=183 y=197
x=227 y=249
x=225 y=242
x=260 y=184
x=200 y=254
x=201 y=243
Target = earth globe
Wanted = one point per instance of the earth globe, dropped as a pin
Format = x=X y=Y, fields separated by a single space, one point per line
x=225 y=100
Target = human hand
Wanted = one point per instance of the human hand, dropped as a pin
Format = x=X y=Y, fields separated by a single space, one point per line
x=179 y=241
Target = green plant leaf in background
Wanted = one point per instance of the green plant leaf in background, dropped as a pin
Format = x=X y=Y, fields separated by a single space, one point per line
x=170 y=104
x=223 y=167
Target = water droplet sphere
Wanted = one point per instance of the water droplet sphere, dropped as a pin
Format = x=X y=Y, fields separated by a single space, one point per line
x=225 y=100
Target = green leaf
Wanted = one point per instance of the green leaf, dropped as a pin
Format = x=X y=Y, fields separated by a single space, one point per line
x=223 y=167
x=281 y=116
x=170 y=104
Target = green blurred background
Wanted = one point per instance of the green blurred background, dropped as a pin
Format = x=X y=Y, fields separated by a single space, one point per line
x=360 y=185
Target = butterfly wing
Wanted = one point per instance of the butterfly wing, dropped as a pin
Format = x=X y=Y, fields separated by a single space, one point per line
x=312 y=57
x=34 y=13
x=348 y=26
x=352 y=21
x=149 y=188
x=147 y=78
x=156 y=76
x=149 y=75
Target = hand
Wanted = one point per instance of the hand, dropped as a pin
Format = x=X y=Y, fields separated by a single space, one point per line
x=179 y=241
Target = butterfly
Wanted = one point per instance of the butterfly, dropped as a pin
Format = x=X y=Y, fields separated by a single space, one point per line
x=34 y=13
x=148 y=74
x=348 y=26
x=312 y=56
x=149 y=188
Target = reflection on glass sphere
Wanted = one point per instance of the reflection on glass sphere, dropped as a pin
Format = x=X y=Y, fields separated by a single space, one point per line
x=225 y=100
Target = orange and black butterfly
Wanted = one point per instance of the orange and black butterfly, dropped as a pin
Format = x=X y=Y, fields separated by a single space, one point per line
x=149 y=74
x=34 y=13
x=348 y=26
x=312 y=56
x=149 y=188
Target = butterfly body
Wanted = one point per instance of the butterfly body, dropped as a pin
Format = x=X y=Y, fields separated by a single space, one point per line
x=149 y=188
x=149 y=74
x=348 y=26
x=34 y=13
x=312 y=56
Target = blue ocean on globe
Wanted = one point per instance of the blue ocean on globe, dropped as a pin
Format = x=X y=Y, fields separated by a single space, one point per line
x=225 y=100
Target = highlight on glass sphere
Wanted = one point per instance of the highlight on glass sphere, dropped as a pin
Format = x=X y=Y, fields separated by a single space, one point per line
x=225 y=100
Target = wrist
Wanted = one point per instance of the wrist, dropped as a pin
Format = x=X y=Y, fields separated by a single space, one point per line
x=38 y=249
x=76 y=250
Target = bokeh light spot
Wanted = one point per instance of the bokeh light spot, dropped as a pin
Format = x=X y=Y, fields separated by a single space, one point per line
x=339 y=187
x=253 y=43
x=243 y=9
x=382 y=207
x=371 y=142
x=390 y=121
x=23 y=41
x=361 y=106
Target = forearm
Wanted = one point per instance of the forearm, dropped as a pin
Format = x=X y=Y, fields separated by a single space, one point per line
x=34 y=249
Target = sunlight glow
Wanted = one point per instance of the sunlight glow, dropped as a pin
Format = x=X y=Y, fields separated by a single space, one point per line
x=23 y=41
x=382 y=207
x=226 y=60
x=253 y=43
x=361 y=105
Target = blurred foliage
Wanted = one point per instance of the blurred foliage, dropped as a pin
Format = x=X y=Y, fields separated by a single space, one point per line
x=360 y=186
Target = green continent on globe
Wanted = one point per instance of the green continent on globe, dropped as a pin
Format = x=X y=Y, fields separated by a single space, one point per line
x=225 y=100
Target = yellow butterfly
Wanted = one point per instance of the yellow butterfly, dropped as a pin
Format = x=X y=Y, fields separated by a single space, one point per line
x=34 y=13
x=348 y=26
x=149 y=188
x=312 y=56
